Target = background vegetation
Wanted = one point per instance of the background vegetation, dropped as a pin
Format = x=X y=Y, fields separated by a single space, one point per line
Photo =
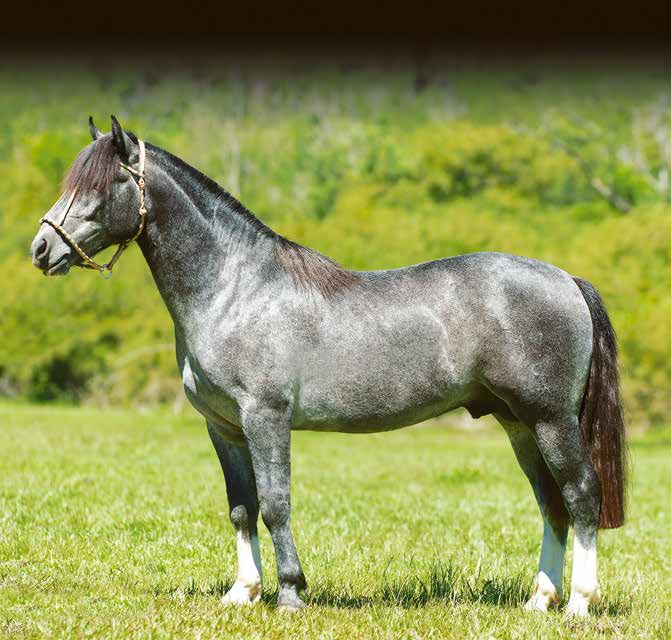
x=375 y=166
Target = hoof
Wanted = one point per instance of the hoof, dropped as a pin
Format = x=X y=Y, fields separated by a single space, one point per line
x=577 y=608
x=537 y=602
x=286 y=608
x=543 y=596
x=241 y=594
x=289 y=601
x=578 y=603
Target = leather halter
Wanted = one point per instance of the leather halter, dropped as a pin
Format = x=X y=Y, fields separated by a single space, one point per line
x=87 y=261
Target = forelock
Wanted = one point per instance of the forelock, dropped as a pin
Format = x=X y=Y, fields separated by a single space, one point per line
x=94 y=168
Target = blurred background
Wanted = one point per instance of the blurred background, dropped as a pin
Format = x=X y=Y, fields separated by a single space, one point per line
x=377 y=156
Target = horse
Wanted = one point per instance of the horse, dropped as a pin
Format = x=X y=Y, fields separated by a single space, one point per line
x=272 y=336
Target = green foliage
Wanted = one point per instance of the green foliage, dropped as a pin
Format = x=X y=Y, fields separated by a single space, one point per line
x=466 y=160
x=537 y=161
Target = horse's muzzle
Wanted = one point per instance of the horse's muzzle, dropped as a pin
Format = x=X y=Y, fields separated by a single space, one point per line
x=50 y=259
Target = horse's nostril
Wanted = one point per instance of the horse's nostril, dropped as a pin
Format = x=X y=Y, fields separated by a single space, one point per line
x=41 y=248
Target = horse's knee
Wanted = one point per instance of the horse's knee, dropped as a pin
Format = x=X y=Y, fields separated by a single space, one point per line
x=239 y=517
x=275 y=509
x=243 y=517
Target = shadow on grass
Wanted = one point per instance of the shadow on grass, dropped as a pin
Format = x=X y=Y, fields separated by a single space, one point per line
x=440 y=582
x=449 y=584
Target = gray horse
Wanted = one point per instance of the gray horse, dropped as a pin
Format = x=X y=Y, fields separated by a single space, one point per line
x=272 y=336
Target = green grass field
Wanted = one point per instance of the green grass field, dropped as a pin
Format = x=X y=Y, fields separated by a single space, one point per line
x=114 y=524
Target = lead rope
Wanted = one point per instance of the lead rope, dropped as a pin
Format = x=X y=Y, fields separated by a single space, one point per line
x=87 y=261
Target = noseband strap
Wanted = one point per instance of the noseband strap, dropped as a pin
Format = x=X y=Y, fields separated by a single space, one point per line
x=87 y=261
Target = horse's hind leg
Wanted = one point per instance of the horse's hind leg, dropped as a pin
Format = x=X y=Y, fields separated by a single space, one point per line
x=244 y=510
x=548 y=583
x=560 y=442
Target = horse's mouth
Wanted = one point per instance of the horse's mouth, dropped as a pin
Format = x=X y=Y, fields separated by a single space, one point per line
x=60 y=268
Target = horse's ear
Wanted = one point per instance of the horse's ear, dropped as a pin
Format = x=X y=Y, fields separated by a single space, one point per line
x=121 y=140
x=93 y=130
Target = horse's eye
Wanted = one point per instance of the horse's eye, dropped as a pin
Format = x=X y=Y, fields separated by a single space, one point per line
x=91 y=215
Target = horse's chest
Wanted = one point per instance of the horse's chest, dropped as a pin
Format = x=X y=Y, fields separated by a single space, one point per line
x=208 y=395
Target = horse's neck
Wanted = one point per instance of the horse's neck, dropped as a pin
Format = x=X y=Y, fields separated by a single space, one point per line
x=197 y=244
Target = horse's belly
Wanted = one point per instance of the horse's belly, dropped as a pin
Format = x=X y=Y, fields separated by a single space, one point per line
x=376 y=376
x=364 y=406
x=371 y=423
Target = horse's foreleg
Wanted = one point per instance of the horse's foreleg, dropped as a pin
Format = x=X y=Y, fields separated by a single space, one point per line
x=548 y=582
x=568 y=459
x=269 y=437
x=244 y=509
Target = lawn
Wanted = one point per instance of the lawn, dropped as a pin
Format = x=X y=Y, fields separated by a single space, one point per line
x=114 y=524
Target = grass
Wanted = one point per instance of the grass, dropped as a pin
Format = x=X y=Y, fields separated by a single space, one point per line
x=114 y=524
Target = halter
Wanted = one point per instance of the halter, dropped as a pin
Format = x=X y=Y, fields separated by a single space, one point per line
x=87 y=261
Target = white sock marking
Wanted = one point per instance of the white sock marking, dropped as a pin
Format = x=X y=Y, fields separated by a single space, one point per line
x=584 y=584
x=247 y=587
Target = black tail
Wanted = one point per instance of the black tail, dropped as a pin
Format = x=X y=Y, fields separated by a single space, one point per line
x=601 y=417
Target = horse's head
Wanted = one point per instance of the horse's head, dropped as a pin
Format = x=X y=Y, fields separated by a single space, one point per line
x=99 y=206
